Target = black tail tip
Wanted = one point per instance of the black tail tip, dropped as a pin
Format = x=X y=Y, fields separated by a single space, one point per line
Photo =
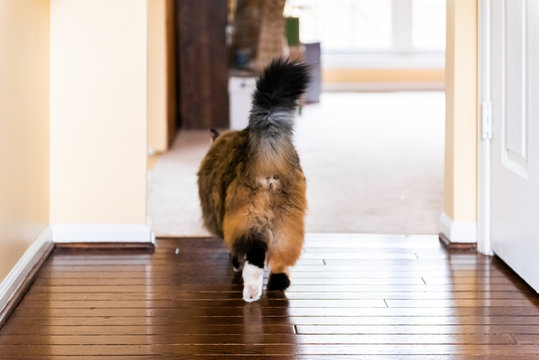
x=281 y=83
x=293 y=72
x=287 y=65
x=278 y=281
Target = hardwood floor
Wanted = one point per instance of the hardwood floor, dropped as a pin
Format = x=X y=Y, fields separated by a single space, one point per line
x=352 y=297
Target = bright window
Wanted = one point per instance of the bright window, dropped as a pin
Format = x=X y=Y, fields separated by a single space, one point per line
x=342 y=25
x=372 y=26
x=428 y=25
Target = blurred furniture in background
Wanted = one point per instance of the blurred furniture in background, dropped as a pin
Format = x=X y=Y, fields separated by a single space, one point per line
x=216 y=38
x=259 y=32
x=241 y=86
x=271 y=39
x=202 y=73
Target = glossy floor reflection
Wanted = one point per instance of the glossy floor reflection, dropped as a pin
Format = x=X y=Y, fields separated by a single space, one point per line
x=352 y=297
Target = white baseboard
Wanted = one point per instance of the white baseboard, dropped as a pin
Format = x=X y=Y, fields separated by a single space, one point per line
x=64 y=233
x=458 y=231
x=33 y=256
x=100 y=233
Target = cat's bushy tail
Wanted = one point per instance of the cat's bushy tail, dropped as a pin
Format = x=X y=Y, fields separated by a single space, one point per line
x=275 y=98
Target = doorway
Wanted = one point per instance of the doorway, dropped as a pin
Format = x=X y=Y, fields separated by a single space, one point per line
x=371 y=147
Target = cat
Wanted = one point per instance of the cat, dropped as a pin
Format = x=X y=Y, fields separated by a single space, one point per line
x=251 y=185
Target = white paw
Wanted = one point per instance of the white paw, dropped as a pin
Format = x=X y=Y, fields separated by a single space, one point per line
x=251 y=293
x=253 y=278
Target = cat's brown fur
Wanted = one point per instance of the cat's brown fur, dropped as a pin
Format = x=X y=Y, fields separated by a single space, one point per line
x=236 y=202
x=252 y=188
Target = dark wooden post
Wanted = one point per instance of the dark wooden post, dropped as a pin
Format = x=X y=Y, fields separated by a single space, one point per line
x=201 y=58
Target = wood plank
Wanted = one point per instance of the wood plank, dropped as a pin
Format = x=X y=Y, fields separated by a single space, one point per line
x=291 y=295
x=468 y=280
x=532 y=338
x=236 y=287
x=28 y=311
x=204 y=320
x=180 y=278
x=240 y=329
x=269 y=339
x=144 y=329
x=342 y=259
x=462 y=303
x=417 y=329
x=303 y=265
x=283 y=357
x=296 y=273
x=188 y=303
x=281 y=349
x=163 y=264
x=187 y=278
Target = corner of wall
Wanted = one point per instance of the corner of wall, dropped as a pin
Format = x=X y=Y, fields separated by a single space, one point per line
x=23 y=271
x=459 y=221
x=457 y=232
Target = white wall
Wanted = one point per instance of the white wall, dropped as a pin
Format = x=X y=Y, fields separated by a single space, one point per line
x=98 y=111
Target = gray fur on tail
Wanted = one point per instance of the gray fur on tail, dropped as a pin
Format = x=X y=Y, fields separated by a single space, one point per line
x=275 y=98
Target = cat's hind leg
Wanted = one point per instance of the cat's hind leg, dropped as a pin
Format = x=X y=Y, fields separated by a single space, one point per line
x=285 y=249
x=253 y=267
x=245 y=232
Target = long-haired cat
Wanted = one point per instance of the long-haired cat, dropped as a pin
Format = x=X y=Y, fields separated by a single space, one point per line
x=252 y=187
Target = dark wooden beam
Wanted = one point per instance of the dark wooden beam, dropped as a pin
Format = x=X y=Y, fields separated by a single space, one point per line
x=202 y=69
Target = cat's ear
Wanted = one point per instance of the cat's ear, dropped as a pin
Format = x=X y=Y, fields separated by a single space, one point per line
x=214 y=134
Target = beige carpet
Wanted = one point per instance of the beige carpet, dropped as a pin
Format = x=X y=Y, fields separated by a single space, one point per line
x=373 y=161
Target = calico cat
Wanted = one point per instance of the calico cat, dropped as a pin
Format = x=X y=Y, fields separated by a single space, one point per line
x=251 y=185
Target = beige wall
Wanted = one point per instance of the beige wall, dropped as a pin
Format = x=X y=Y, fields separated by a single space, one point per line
x=343 y=75
x=157 y=76
x=24 y=124
x=161 y=75
x=98 y=112
x=461 y=119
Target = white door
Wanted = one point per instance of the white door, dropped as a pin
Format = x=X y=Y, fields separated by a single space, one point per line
x=515 y=137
